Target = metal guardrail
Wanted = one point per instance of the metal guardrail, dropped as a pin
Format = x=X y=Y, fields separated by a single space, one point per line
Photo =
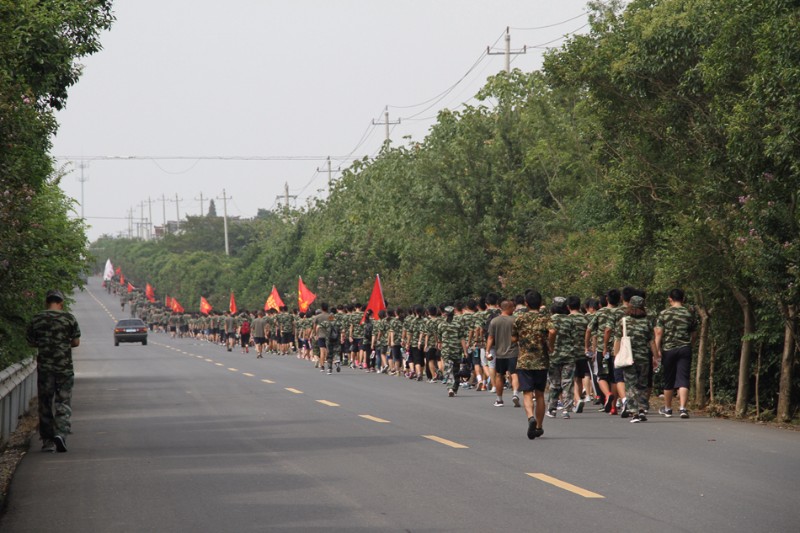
x=17 y=387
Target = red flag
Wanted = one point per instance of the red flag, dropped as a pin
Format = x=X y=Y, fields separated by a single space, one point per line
x=121 y=279
x=151 y=295
x=168 y=302
x=118 y=270
x=274 y=301
x=131 y=288
x=178 y=308
x=232 y=306
x=304 y=296
x=376 y=302
x=205 y=307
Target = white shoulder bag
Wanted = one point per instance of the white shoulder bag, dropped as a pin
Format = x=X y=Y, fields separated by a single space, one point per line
x=624 y=357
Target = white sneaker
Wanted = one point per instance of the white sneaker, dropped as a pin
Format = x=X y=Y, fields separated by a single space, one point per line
x=515 y=399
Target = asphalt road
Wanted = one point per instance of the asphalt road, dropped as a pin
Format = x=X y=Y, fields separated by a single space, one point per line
x=181 y=435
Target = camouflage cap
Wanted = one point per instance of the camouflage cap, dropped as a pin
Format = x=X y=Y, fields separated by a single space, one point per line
x=55 y=294
x=559 y=300
x=449 y=309
x=637 y=302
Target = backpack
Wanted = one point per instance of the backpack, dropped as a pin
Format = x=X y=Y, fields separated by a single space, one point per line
x=368 y=329
x=333 y=331
x=245 y=327
x=491 y=315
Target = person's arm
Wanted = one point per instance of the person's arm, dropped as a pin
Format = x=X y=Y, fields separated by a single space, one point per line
x=489 y=345
x=551 y=339
x=616 y=347
x=464 y=346
x=587 y=340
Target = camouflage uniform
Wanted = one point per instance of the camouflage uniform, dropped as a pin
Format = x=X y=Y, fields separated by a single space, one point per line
x=52 y=333
x=677 y=324
x=450 y=336
x=334 y=342
x=562 y=364
x=531 y=330
x=636 y=387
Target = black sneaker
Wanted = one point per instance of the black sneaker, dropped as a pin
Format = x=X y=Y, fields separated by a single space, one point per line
x=48 y=446
x=665 y=412
x=636 y=419
x=539 y=432
x=642 y=417
x=451 y=393
x=579 y=408
x=338 y=366
x=684 y=413
x=61 y=444
x=532 y=428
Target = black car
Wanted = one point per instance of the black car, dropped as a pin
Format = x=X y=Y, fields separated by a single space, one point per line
x=130 y=330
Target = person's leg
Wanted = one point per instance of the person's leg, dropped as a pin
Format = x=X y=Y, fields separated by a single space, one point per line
x=63 y=405
x=46 y=385
x=567 y=377
x=669 y=365
x=554 y=379
x=540 y=407
x=630 y=406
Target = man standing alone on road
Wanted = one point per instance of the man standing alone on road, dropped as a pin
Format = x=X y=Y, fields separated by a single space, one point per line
x=54 y=332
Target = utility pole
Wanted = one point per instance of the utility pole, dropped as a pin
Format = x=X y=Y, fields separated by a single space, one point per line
x=225 y=199
x=130 y=223
x=150 y=220
x=177 y=211
x=140 y=227
x=83 y=179
x=508 y=53
x=202 y=212
x=386 y=122
x=330 y=174
x=164 y=214
x=286 y=196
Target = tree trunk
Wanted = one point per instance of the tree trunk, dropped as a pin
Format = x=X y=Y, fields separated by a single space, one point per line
x=699 y=379
x=787 y=362
x=711 y=364
x=743 y=391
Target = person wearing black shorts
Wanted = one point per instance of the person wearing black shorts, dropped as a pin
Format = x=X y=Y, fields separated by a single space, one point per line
x=500 y=343
x=675 y=333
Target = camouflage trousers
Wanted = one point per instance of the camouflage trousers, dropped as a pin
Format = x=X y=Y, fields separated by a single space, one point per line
x=55 y=396
x=451 y=367
x=637 y=390
x=560 y=376
x=334 y=352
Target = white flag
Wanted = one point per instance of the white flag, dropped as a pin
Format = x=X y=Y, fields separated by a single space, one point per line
x=109 y=272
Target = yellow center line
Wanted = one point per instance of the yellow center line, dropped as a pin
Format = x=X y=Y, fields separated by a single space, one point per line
x=294 y=390
x=330 y=404
x=233 y=369
x=199 y=356
x=209 y=360
x=267 y=381
x=566 y=486
x=219 y=364
x=446 y=442
x=375 y=419
x=248 y=374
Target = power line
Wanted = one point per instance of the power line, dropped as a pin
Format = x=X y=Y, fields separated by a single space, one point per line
x=552 y=25
x=198 y=157
x=566 y=35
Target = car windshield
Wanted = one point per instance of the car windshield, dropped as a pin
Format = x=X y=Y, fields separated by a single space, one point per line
x=132 y=323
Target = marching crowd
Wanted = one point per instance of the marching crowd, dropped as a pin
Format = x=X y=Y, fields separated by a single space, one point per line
x=489 y=344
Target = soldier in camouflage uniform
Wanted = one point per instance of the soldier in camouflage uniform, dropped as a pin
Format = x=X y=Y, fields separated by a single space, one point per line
x=336 y=327
x=54 y=332
x=579 y=321
x=638 y=329
x=675 y=332
x=453 y=345
x=562 y=361
x=606 y=323
x=534 y=333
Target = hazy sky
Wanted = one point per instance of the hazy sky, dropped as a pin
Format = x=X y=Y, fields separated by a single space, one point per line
x=271 y=79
